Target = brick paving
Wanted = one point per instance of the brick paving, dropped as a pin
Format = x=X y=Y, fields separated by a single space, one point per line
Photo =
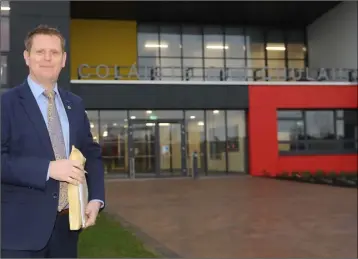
x=239 y=217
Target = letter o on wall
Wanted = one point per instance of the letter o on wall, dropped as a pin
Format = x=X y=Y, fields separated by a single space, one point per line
x=106 y=68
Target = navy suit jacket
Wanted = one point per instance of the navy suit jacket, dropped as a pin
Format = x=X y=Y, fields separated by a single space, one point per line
x=28 y=201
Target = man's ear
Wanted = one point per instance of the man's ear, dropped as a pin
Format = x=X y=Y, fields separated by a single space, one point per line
x=64 y=59
x=26 y=57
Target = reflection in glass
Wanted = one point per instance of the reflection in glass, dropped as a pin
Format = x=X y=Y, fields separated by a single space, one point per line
x=320 y=124
x=276 y=69
x=257 y=65
x=255 y=43
x=275 y=45
x=3 y=70
x=213 y=68
x=299 y=64
x=216 y=140
x=155 y=114
x=4 y=33
x=114 y=140
x=148 y=40
x=195 y=137
x=289 y=130
x=170 y=148
x=213 y=42
x=295 y=44
x=171 y=69
x=170 y=37
x=193 y=69
x=236 y=140
x=144 y=145
x=235 y=69
x=148 y=67
x=235 y=41
x=93 y=118
x=288 y=134
x=192 y=42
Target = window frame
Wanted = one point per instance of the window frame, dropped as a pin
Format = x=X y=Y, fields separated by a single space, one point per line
x=201 y=72
x=304 y=143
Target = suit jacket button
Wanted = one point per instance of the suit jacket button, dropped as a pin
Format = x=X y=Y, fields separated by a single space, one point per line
x=54 y=195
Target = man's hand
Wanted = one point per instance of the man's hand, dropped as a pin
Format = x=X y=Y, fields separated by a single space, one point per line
x=66 y=170
x=92 y=213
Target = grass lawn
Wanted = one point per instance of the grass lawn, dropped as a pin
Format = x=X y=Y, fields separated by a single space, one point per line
x=108 y=239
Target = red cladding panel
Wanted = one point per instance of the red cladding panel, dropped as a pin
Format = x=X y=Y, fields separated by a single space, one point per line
x=264 y=100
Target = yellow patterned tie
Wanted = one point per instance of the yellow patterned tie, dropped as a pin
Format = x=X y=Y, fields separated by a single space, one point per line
x=58 y=143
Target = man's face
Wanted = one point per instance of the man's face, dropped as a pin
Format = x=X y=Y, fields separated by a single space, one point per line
x=45 y=58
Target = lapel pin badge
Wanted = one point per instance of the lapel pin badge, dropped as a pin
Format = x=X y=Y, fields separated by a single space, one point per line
x=69 y=107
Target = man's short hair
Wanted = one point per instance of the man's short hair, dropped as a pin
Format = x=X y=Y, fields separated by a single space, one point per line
x=44 y=30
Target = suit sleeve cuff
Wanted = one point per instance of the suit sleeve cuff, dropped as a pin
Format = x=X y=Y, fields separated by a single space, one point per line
x=102 y=203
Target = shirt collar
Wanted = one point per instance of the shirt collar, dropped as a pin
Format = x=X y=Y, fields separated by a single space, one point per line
x=37 y=90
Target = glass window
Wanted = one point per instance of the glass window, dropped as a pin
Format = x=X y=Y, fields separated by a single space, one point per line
x=192 y=42
x=289 y=130
x=114 y=140
x=171 y=69
x=148 y=67
x=275 y=45
x=170 y=40
x=347 y=125
x=317 y=130
x=148 y=40
x=256 y=67
x=299 y=64
x=3 y=70
x=193 y=69
x=214 y=42
x=255 y=43
x=156 y=114
x=213 y=68
x=320 y=124
x=5 y=8
x=195 y=137
x=216 y=140
x=277 y=69
x=295 y=44
x=236 y=140
x=4 y=33
x=235 y=69
x=94 y=124
x=235 y=42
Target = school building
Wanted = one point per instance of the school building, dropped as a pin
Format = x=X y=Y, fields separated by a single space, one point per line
x=250 y=87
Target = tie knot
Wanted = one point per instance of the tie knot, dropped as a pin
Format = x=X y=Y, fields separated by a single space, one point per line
x=50 y=94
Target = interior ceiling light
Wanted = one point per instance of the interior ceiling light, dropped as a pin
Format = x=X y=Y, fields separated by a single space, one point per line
x=148 y=45
x=217 y=47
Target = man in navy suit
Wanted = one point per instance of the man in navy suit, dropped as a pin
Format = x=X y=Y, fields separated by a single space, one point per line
x=39 y=124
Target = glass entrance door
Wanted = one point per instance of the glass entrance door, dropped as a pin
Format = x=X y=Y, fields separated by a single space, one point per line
x=170 y=139
x=143 y=147
x=157 y=148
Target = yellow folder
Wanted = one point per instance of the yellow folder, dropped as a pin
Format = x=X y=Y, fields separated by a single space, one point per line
x=77 y=196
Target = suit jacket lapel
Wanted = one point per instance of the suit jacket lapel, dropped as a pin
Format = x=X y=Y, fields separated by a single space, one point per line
x=33 y=111
x=67 y=103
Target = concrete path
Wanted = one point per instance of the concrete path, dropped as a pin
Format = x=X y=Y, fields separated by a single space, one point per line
x=239 y=217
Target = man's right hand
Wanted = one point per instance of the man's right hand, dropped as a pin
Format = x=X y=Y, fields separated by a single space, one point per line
x=65 y=170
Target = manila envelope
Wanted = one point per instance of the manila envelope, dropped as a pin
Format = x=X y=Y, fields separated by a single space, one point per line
x=77 y=196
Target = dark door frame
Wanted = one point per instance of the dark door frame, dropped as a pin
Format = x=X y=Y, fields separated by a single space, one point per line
x=157 y=173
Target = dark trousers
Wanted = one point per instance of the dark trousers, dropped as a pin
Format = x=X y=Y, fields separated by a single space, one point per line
x=62 y=243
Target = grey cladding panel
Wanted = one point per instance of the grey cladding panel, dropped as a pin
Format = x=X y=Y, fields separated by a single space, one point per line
x=132 y=96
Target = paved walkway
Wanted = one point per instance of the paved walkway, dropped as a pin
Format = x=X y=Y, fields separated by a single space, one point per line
x=239 y=217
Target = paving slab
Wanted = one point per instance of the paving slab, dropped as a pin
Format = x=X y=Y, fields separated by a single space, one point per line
x=244 y=216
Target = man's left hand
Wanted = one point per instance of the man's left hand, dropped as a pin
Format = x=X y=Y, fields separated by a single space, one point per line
x=92 y=213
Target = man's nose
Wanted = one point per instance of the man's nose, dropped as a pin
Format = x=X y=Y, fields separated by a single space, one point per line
x=48 y=56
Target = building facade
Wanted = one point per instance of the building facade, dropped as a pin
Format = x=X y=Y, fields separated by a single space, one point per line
x=161 y=86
